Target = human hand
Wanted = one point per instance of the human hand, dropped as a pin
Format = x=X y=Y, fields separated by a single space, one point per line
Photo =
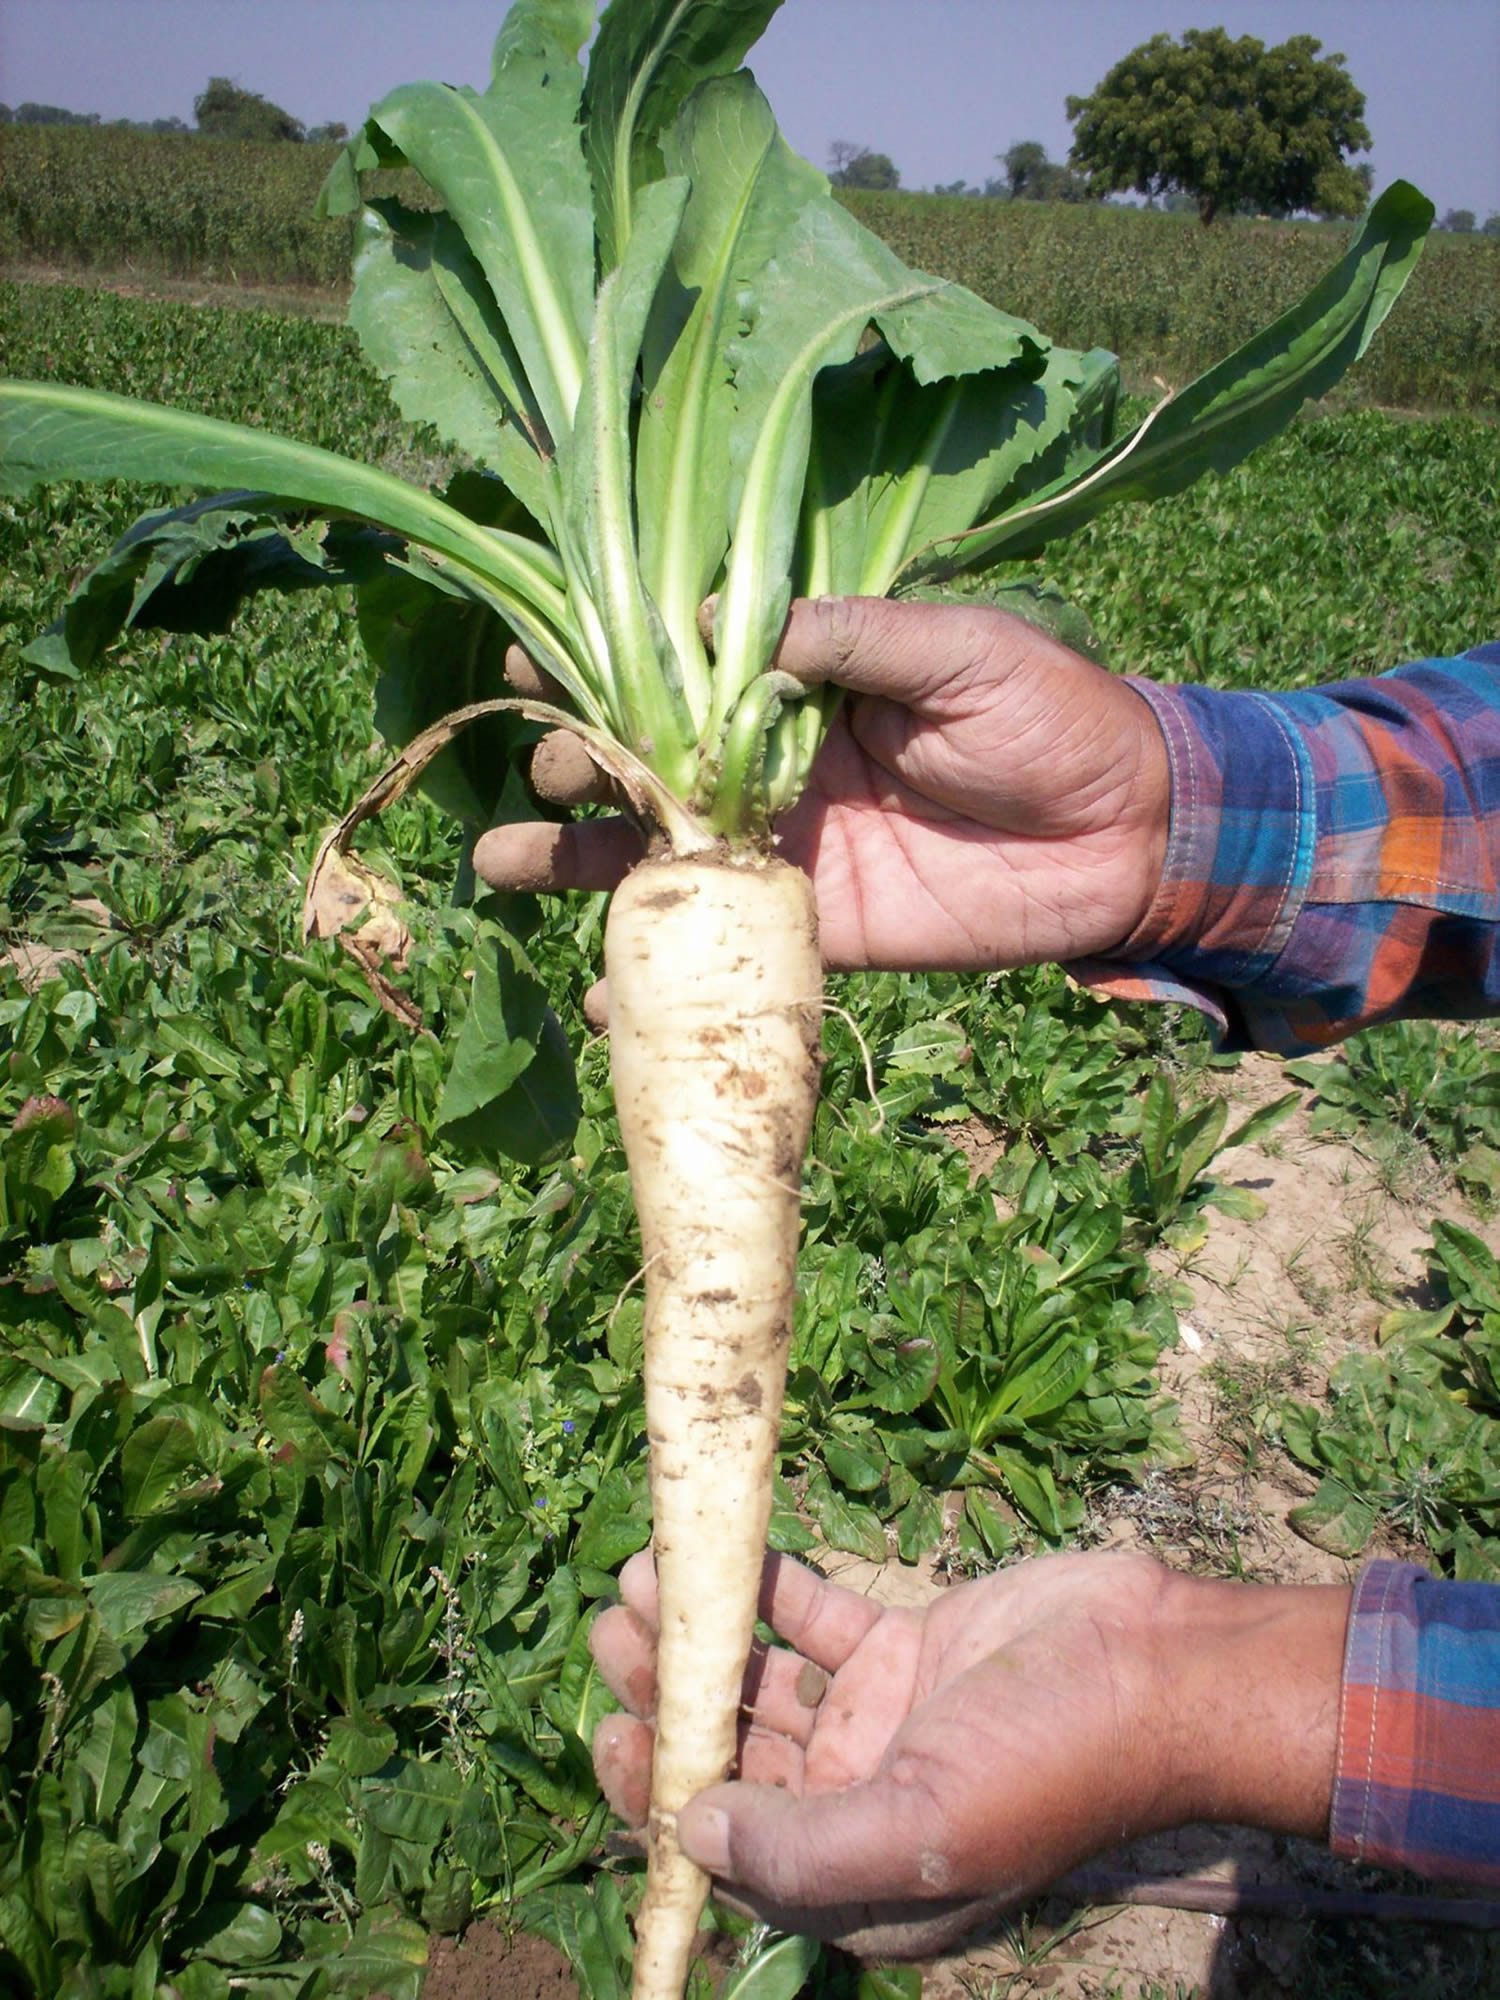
x=985 y=797
x=905 y=1774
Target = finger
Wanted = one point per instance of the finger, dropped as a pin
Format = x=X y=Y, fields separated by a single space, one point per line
x=906 y=652
x=624 y=1745
x=528 y=680
x=622 y=1764
x=623 y=1646
x=877 y=1933
x=535 y=855
x=889 y=1840
x=562 y=770
x=782 y=1690
x=821 y=1620
x=783 y=1693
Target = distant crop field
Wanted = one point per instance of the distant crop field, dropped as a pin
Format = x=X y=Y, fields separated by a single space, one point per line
x=321 y=1442
x=1159 y=290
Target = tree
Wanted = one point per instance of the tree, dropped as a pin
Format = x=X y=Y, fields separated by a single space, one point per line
x=1232 y=123
x=1031 y=176
x=851 y=165
x=225 y=111
x=334 y=133
x=1491 y=225
x=53 y=114
x=1023 y=163
x=1460 y=220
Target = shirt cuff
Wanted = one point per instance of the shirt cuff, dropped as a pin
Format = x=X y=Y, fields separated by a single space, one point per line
x=1417 y=1779
x=1240 y=848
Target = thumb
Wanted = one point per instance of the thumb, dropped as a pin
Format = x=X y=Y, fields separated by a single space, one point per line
x=884 y=1841
x=906 y=651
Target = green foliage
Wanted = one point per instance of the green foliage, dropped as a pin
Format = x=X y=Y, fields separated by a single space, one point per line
x=48 y=114
x=855 y=166
x=239 y=209
x=226 y=111
x=1347 y=547
x=1415 y=1080
x=1031 y=176
x=1172 y=299
x=1411 y=1434
x=1233 y=123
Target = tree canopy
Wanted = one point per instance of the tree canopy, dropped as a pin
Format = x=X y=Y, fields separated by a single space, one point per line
x=1232 y=123
x=851 y=165
x=46 y=114
x=225 y=111
x=1031 y=176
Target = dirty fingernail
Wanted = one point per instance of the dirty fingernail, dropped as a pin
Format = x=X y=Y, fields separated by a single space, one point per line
x=812 y=1685
x=704 y=1833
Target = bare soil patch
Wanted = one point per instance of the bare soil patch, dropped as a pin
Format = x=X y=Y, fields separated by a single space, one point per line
x=300 y=301
x=488 y=1965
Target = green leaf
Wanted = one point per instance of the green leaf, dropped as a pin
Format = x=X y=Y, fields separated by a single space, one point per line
x=855 y=1462
x=49 y=432
x=1248 y=397
x=233 y=1934
x=1032 y=1487
x=646 y=58
x=1262 y=1122
x=1335 y=1519
x=1414 y=1325
x=387 y=1955
x=991 y=1519
x=359 y=1744
x=427 y=319
x=615 y=1524
x=125 y=1604
x=890 y=1982
x=779 y=1971
x=899 y=1374
x=919 y=1526
x=747 y=188
x=417 y=1802
x=587 y=1925
x=160 y=1456
x=1043 y=1377
x=842 y=1524
x=192 y=569
x=509 y=169
x=1473 y=1274
x=511 y=1087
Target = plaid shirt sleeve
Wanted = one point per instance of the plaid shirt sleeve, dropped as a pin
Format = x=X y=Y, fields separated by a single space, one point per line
x=1333 y=858
x=1417 y=1780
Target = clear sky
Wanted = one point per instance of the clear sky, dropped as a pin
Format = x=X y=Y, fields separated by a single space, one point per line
x=941 y=85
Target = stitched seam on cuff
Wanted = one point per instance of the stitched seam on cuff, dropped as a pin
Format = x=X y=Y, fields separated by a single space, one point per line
x=1298 y=875
x=1164 y=914
x=1387 y=1575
